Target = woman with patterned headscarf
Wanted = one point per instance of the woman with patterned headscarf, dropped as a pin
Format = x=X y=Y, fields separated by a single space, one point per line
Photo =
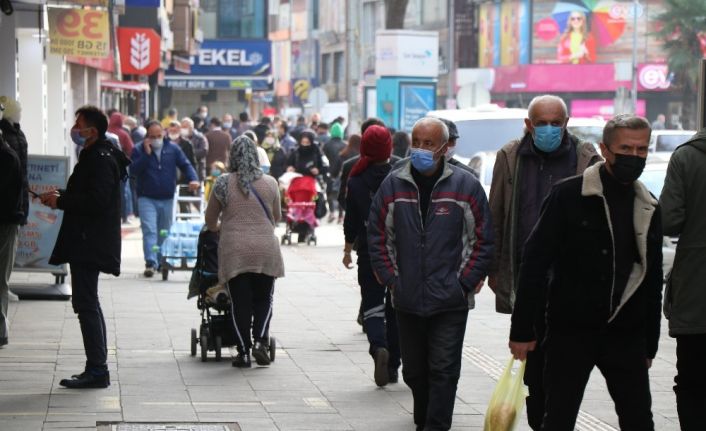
x=247 y=202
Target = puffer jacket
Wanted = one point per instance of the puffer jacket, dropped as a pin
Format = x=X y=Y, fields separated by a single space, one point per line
x=683 y=214
x=434 y=266
x=15 y=138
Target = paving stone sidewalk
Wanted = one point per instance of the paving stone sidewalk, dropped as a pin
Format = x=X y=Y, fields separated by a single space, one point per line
x=322 y=378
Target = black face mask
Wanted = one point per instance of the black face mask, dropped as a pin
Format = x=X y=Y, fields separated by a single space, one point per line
x=627 y=168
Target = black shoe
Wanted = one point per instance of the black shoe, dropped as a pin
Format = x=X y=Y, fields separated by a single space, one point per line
x=3 y=341
x=149 y=272
x=79 y=376
x=393 y=376
x=87 y=380
x=382 y=377
x=261 y=353
x=242 y=361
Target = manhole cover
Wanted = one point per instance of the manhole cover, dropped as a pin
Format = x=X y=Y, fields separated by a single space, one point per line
x=172 y=426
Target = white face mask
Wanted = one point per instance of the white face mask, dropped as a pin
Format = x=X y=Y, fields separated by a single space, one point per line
x=156 y=144
x=227 y=125
x=450 y=151
x=174 y=136
x=185 y=133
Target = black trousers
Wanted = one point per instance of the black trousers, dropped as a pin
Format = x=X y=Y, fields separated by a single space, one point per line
x=251 y=307
x=431 y=364
x=621 y=358
x=534 y=378
x=691 y=381
x=84 y=283
x=378 y=315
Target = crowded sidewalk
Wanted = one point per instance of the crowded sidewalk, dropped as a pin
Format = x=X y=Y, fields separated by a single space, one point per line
x=322 y=378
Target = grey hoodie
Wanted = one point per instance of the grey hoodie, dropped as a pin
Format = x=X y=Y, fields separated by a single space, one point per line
x=684 y=215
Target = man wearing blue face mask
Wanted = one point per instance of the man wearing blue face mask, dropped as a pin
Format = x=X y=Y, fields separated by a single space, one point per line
x=430 y=241
x=524 y=172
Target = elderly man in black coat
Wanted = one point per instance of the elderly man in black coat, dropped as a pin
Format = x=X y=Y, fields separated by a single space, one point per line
x=89 y=238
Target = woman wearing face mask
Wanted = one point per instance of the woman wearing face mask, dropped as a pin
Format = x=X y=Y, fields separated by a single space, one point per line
x=306 y=158
x=217 y=169
x=275 y=153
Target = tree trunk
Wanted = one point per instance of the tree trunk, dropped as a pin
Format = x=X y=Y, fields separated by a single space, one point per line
x=688 y=108
x=395 y=12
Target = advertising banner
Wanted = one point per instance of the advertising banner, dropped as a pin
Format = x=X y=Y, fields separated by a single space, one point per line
x=79 y=32
x=504 y=33
x=139 y=50
x=407 y=53
x=235 y=64
x=38 y=236
x=590 y=31
x=416 y=99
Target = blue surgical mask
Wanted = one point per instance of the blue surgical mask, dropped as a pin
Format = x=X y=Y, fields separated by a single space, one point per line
x=77 y=138
x=422 y=160
x=265 y=169
x=216 y=173
x=547 y=138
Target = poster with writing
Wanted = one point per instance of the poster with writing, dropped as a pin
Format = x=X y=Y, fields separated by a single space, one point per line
x=37 y=237
x=79 y=32
x=416 y=100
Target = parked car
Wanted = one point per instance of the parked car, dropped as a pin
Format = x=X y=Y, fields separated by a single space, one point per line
x=587 y=129
x=482 y=163
x=666 y=141
x=484 y=128
x=653 y=178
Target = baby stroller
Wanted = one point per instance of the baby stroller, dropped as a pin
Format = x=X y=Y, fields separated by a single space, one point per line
x=216 y=330
x=300 y=197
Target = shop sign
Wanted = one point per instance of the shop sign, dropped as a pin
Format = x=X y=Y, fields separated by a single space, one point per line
x=654 y=76
x=139 y=50
x=217 y=84
x=79 y=32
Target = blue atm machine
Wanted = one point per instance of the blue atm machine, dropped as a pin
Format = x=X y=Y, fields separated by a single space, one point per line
x=402 y=101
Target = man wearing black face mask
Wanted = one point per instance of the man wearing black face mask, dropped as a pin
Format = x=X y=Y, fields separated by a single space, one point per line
x=599 y=236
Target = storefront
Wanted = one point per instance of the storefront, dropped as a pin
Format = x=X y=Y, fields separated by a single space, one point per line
x=229 y=76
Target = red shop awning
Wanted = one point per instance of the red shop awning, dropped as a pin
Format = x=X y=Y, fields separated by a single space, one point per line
x=126 y=85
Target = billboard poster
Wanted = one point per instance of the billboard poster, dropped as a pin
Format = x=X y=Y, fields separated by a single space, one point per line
x=590 y=31
x=79 y=32
x=38 y=236
x=504 y=33
x=416 y=99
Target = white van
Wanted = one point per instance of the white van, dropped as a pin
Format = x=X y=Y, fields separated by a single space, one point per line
x=484 y=128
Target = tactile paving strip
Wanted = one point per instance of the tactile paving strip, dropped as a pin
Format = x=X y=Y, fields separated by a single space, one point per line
x=171 y=426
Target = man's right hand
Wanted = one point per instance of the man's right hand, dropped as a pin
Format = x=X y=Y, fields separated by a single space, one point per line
x=147 y=145
x=519 y=350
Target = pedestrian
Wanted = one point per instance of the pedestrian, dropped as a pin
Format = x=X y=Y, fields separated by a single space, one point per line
x=116 y=127
x=172 y=115
x=378 y=315
x=201 y=119
x=244 y=125
x=299 y=127
x=351 y=150
x=175 y=137
x=217 y=169
x=89 y=238
x=155 y=163
x=332 y=150
x=200 y=144
x=598 y=240
x=218 y=143
x=683 y=208
x=285 y=139
x=659 y=123
x=247 y=203
x=229 y=127
x=306 y=159
x=322 y=134
x=12 y=215
x=275 y=153
x=525 y=170
x=431 y=242
x=401 y=144
x=137 y=131
x=314 y=121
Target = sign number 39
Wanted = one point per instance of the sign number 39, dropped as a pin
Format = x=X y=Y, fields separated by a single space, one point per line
x=70 y=24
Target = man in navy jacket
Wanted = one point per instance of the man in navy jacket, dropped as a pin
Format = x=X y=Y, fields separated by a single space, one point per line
x=155 y=163
x=431 y=242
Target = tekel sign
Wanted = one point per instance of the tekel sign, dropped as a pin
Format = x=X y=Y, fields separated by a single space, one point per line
x=139 y=50
x=231 y=58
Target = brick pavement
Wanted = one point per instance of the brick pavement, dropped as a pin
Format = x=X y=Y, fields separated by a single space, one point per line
x=322 y=378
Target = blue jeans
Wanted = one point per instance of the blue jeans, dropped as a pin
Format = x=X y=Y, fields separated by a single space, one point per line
x=155 y=216
x=127 y=200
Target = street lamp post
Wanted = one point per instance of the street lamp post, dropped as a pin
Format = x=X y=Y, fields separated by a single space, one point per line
x=636 y=5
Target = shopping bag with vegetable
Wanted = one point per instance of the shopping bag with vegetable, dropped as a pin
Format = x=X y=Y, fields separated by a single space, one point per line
x=507 y=401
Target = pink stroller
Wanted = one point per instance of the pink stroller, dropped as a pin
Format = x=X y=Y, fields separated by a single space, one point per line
x=300 y=198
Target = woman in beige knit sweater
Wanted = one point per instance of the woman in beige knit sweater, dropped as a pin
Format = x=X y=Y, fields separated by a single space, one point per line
x=249 y=258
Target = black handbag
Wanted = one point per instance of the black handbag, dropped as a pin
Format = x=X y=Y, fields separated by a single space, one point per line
x=321 y=209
